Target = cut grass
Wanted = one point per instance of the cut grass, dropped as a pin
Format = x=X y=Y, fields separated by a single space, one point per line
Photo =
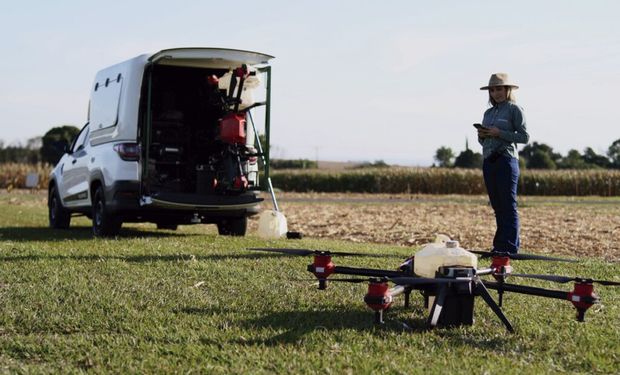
x=194 y=302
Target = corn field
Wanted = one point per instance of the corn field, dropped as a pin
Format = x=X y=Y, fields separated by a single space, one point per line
x=447 y=181
x=13 y=175
x=395 y=180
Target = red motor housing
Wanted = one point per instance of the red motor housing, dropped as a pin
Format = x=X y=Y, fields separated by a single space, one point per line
x=583 y=297
x=323 y=266
x=501 y=267
x=232 y=128
x=379 y=297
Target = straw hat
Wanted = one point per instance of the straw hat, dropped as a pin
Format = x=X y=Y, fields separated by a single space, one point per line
x=499 y=79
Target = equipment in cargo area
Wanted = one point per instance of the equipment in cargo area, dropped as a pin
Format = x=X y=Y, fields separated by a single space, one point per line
x=203 y=137
x=449 y=279
x=199 y=142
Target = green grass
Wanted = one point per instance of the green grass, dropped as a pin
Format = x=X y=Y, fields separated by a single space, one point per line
x=194 y=302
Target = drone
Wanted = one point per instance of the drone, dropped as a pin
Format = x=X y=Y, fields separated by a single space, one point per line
x=451 y=292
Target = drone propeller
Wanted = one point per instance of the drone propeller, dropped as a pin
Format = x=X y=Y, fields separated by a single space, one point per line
x=304 y=252
x=406 y=281
x=489 y=254
x=349 y=280
x=565 y=279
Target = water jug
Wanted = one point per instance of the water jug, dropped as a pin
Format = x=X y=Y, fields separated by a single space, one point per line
x=272 y=224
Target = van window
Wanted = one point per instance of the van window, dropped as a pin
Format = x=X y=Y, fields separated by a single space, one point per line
x=80 y=139
x=104 y=102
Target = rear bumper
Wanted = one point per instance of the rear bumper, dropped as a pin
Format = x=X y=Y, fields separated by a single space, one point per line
x=123 y=198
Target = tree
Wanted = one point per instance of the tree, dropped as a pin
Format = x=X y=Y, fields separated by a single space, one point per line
x=573 y=160
x=444 y=156
x=530 y=150
x=55 y=140
x=591 y=157
x=468 y=159
x=614 y=154
x=541 y=160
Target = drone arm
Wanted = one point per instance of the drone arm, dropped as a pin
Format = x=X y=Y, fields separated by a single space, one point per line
x=397 y=290
x=484 y=271
x=530 y=290
x=371 y=272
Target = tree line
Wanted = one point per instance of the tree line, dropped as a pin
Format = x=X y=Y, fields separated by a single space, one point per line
x=46 y=149
x=536 y=156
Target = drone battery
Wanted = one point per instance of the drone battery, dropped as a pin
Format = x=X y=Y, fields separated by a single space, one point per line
x=458 y=310
x=232 y=128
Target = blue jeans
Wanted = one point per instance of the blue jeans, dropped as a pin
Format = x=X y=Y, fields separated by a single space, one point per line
x=501 y=177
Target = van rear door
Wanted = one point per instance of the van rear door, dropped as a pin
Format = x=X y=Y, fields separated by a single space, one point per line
x=215 y=58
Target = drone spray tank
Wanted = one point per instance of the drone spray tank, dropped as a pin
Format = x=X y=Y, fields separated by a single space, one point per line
x=438 y=254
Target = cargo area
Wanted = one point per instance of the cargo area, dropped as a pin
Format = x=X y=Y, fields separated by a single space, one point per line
x=187 y=159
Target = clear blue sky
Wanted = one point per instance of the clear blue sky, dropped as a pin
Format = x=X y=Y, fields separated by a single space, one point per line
x=353 y=80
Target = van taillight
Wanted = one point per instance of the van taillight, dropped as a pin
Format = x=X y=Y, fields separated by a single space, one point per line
x=128 y=151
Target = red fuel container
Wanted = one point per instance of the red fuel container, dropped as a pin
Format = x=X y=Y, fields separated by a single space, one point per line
x=232 y=128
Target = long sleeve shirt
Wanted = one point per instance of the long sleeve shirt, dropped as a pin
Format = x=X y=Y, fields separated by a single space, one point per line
x=510 y=120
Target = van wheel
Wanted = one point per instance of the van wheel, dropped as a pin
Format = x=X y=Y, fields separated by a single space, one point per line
x=233 y=226
x=167 y=226
x=59 y=216
x=104 y=224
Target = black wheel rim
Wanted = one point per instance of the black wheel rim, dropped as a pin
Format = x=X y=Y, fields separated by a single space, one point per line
x=98 y=213
x=53 y=208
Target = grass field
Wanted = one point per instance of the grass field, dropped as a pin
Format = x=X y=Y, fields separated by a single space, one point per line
x=193 y=302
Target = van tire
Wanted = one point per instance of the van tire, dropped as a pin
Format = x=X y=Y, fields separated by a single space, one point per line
x=233 y=226
x=104 y=224
x=59 y=216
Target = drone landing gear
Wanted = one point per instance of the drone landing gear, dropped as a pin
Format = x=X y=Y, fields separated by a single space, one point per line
x=454 y=303
x=482 y=291
x=379 y=317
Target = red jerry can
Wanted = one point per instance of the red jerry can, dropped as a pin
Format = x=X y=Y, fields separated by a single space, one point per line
x=232 y=128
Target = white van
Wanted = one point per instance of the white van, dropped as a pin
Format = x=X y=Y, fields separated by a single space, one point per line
x=170 y=139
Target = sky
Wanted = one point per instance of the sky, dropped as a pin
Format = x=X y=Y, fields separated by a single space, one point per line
x=352 y=80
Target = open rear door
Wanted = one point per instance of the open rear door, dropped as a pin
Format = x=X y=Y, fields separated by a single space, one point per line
x=216 y=59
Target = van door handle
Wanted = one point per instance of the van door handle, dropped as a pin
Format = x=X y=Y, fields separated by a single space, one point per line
x=74 y=161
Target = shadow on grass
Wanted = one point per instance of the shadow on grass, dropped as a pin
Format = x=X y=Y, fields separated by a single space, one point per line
x=75 y=233
x=298 y=323
x=146 y=258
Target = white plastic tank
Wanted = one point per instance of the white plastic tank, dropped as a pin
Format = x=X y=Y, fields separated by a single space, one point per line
x=438 y=254
x=250 y=83
x=272 y=224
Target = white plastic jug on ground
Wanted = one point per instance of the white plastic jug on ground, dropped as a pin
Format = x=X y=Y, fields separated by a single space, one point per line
x=272 y=224
x=438 y=254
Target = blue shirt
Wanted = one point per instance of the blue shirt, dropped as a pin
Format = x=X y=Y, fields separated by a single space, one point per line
x=510 y=120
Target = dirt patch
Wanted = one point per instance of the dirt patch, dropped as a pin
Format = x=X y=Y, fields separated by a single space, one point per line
x=561 y=228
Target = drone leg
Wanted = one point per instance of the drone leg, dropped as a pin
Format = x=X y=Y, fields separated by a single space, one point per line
x=407 y=293
x=379 y=317
x=484 y=293
x=433 y=318
x=500 y=292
